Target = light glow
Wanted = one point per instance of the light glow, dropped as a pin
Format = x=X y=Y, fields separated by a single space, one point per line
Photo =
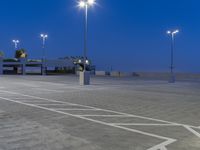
x=15 y=41
x=82 y=4
x=43 y=35
x=168 y=32
x=176 y=31
x=173 y=32
x=91 y=2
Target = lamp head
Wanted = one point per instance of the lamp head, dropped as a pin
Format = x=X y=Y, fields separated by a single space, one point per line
x=15 y=41
x=169 y=32
x=43 y=35
x=176 y=31
x=82 y=4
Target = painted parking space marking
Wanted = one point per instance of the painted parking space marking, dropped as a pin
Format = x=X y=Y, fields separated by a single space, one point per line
x=193 y=131
x=76 y=109
x=119 y=125
x=142 y=124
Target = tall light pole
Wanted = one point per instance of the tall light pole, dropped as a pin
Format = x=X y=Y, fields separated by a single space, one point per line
x=16 y=42
x=172 y=35
x=44 y=38
x=85 y=76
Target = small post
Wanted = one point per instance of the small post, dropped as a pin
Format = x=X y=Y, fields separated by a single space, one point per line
x=1 y=65
x=23 y=64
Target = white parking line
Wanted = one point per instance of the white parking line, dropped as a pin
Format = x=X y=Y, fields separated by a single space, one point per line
x=23 y=98
x=142 y=124
x=163 y=145
x=120 y=116
x=119 y=125
x=62 y=109
x=167 y=140
x=193 y=131
x=58 y=104
x=116 y=112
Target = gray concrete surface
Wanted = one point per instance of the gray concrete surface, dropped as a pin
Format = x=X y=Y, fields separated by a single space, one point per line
x=55 y=113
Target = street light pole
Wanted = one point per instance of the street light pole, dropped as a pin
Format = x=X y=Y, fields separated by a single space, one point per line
x=85 y=36
x=44 y=38
x=16 y=42
x=172 y=35
x=85 y=75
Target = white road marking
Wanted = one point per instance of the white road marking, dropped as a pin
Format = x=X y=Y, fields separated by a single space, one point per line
x=42 y=102
x=62 y=109
x=58 y=104
x=163 y=145
x=157 y=147
x=120 y=116
x=142 y=124
x=163 y=148
x=193 y=131
x=168 y=140
x=23 y=98
x=115 y=112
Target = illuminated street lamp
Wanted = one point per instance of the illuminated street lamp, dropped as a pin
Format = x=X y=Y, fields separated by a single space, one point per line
x=85 y=76
x=172 y=35
x=44 y=38
x=16 y=42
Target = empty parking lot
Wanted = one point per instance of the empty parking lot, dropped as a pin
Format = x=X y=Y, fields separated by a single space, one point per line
x=55 y=113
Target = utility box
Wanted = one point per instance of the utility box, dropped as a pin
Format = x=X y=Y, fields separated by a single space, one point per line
x=84 y=78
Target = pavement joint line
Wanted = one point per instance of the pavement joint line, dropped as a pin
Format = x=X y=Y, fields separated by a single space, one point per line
x=49 y=90
x=50 y=100
x=167 y=142
x=120 y=113
x=26 y=84
x=75 y=87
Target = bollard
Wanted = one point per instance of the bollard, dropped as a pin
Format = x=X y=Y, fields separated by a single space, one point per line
x=1 y=65
x=23 y=64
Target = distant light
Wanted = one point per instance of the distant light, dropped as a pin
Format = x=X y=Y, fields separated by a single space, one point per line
x=87 y=62
x=43 y=35
x=79 y=61
x=168 y=32
x=15 y=41
x=173 y=32
x=176 y=31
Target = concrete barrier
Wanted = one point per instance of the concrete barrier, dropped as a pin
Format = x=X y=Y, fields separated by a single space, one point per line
x=115 y=74
x=126 y=74
x=100 y=73
x=1 y=65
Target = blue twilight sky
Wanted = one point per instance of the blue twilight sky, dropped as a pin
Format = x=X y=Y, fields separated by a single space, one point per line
x=128 y=35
